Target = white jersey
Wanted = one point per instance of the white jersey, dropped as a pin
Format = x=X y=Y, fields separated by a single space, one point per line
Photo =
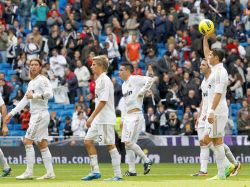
x=218 y=82
x=104 y=91
x=42 y=92
x=134 y=86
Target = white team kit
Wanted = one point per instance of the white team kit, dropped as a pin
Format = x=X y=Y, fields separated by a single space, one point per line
x=133 y=122
x=217 y=83
x=40 y=117
x=102 y=127
x=204 y=107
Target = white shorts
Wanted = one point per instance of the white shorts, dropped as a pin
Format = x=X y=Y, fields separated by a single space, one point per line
x=201 y=127
x=216 y=130
x=132 y=127
x=38 y=126
x=102 y=133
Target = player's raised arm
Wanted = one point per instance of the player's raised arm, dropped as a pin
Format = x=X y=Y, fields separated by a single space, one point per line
x=206 y=48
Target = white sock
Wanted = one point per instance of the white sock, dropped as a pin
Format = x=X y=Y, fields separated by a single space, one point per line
x=138 y=151
x=116 y=162
x=220 y=158
x=94 y=164
x=3 y=162
x=230 y=155
x=130 y=157
x=204 y=155
x=47 y=160
x=30 y=157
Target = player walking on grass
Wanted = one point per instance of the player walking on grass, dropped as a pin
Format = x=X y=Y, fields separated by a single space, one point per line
x=217 y=110
x=102 y=121
x=204 y=148
x=3 y=162
x=38 y=93
x=133 y=90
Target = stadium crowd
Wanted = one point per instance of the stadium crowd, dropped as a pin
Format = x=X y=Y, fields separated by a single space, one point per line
x=160 y=39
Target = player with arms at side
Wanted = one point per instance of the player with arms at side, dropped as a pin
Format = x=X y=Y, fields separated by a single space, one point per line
x=3 y=162
x=217 y=110
x=204 y=148
x=38 y=93
x=102 y=121
x=133 y=90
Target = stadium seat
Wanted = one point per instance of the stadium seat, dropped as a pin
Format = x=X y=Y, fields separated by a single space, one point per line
x=10 y=127
x=244 y=44
x=17 y=133
x=69 y=106
x=65 y=113
x=4 y=71
x=62 y=125
x=17 y=126
x=4 y=66
x=11 y=72
x=57 y=106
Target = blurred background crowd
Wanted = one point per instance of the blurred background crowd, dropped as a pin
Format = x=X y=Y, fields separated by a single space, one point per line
x=159 y=38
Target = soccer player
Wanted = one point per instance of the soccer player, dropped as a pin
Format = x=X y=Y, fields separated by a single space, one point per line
x=38 y=93
x=133 y=90
x=204 y=148
x=3 y=162
x=102 y=121
x=217 y=109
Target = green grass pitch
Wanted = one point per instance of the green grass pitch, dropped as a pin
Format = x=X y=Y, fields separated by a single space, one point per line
x=161 y=175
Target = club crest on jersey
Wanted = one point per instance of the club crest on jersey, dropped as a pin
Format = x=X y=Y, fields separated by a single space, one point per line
x=127 y=93
x=209 y=86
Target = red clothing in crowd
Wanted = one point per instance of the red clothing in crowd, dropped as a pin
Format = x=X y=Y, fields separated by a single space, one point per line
x=25 y=118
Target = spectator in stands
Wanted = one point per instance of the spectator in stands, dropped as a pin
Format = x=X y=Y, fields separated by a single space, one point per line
x=55 y=19
x=83 y=75
x=151 y=57
x=151 y=121
x=79 y=127
x=55 y=40
x=236 y=87
x=148 y=27
x=35 y=37
x=25 y=14
x=5 y=91
x=12 y=42
x=25 y=117
x=133 y=50
x=137 y=70
x=71 y=81
x=173 y=124
x=41 y=11
x=3 y=44
x=172 y=98
x=57 y=64
x=54 y=124
x=67 y=132
x=243 y=119
x=162 y=116
x=187 y=125
x=19 y=95
x=10 y=12
x=191 y=101
x=163 y=65
x=95 y=24
x=164 y=85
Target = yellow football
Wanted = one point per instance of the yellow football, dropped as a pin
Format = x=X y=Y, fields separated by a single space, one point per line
x=206 y=26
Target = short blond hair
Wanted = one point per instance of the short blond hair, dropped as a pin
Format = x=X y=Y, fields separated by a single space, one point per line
x=102 y=60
